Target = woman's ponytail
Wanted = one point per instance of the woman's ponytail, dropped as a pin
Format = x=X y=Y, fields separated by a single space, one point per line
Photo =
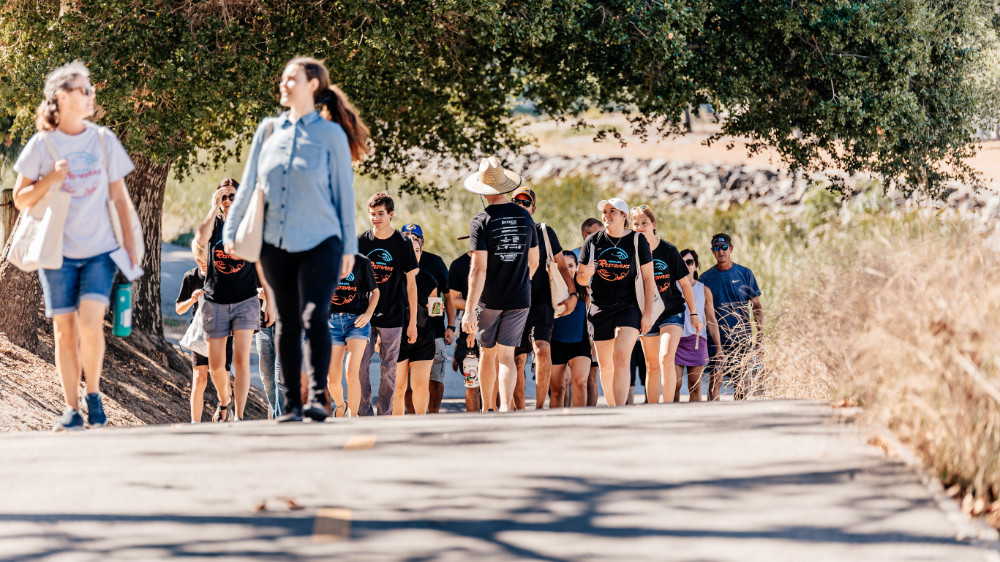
x=340 y=110
x=336 y=106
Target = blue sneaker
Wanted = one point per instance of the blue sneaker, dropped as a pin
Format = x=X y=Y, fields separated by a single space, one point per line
x=71 y=421
x=95 y=411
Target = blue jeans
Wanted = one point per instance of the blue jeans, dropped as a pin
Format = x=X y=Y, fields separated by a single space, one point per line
x=269 y=370
x=342 y=329
x=77 y=280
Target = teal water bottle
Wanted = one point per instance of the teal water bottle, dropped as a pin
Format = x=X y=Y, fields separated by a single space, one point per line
x=122 y=309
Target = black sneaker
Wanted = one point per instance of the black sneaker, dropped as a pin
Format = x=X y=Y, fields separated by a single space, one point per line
x=95 y=411
x=316 y=411
x=71 y=420
x=293 y=414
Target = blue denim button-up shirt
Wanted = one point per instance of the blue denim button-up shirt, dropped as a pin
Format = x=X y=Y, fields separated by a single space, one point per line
x=307 y=182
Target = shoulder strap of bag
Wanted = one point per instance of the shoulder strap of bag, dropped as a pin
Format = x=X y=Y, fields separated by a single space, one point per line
x=548 y=245
x=50 y=145
x=101 y=132
x=638 y=267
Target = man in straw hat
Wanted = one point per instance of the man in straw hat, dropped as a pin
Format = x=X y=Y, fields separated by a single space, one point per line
x=504 y=257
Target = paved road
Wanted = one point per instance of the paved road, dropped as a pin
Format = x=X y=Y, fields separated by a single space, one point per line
x=719 y=481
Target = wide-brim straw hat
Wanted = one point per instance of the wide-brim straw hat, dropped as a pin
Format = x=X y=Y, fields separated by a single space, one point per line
x=492 y=179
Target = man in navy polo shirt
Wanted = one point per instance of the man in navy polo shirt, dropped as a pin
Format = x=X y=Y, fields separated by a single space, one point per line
x=735 y=294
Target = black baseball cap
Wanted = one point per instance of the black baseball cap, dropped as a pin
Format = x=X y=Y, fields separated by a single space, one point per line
x=722 y=238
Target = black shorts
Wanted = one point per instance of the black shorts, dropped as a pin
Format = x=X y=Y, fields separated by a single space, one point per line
x=562 y=352
x=421 y=350
x=605 y=322
x=533 y=333
x=199 y=360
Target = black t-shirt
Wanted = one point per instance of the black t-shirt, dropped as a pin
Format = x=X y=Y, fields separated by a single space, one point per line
x=434 y=265
x=506 y=232
x=351 y=296
x=458 y=274
x=668 y=269
x=613 y=284
x=391 y=260
x=192 y=281
x=541 y=292
x=229 y=280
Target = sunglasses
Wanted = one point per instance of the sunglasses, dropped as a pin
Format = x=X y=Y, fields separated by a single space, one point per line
x=689 y=261
x=229 y=197
x=523 y=202
x=85 y=90
x=720 y=248
x=640 y=208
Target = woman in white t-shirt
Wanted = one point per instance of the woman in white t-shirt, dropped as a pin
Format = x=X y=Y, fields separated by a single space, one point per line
x=77 y=294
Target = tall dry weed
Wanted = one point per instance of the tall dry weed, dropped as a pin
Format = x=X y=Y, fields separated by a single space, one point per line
x=905 y=323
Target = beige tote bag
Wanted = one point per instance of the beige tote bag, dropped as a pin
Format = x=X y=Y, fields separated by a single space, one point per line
x=640 y=286
x=557 y=285
x=250 y=233
x=37 y=241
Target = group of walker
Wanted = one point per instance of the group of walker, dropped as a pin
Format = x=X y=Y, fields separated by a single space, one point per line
x=279 y=259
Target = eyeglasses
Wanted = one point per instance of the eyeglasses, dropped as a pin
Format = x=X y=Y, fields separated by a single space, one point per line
x=229 y=197
x=720 y=248
x=523 y=202
x=85 y=90
x=689 y=261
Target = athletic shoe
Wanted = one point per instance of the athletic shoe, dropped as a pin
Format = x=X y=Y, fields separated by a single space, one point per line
x=316 y=411
x=294 y=414
x=71 y=420
x=95 y=411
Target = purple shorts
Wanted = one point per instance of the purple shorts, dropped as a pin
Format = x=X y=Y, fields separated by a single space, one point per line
x=688 y=356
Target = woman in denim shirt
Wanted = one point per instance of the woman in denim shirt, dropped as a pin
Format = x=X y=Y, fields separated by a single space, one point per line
x=303 y=159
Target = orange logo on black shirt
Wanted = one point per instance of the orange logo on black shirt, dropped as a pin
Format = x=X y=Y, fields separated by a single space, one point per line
x=613 y=264
x=346 y=291
x=381 y=264
x=661 y=275
x=224 y=263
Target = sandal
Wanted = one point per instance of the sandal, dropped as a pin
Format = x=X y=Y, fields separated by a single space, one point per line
x=225 y=413
x=341 y=410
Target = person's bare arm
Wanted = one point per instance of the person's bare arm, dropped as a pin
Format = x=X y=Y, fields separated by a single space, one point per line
x=688 y=293
x=28 y=192
x=570 y=303
x=204 y=232
x=116 y=192
x=456 y=299
x=477 y=280
x=184 y=306
x=364 y=319
x=649 y=288
x=713 y=321
x=411 y=297
x=450 y=312
x=267 y=295
x=532 y=261
x=758 y=317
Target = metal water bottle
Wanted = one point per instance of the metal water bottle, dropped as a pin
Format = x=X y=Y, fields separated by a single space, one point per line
x=122 y=309
x=470 y=370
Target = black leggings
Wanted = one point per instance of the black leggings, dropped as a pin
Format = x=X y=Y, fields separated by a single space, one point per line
x=303 y=284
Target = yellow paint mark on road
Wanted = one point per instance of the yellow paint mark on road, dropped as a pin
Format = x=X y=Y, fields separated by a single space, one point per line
x=332 y=524
x=357 y=442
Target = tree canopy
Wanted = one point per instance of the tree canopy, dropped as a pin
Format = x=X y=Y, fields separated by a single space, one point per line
x=894 y=87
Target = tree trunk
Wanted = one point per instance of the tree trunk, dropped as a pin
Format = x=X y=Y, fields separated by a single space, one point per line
x=147 y=185
x=8 y=215
x=21 y=299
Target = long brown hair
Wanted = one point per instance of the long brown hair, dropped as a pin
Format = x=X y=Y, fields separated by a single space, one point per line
x=60 y=79
x=336 y=106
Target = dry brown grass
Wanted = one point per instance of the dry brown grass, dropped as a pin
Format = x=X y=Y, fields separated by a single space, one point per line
x=901 y=320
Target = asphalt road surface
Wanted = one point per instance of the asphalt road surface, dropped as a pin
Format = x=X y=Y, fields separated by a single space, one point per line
x=743 y=481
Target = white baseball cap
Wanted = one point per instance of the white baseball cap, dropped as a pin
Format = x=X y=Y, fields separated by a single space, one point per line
x=615 y=202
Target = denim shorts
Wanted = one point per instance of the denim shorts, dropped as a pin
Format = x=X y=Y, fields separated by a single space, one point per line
x=665 y=320
x=342 y=328
x=77 y=280
x=222 y=320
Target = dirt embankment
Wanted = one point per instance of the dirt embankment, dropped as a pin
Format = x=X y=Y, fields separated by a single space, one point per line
x=141 y=386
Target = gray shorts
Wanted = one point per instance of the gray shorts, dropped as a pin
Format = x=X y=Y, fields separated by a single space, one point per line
x=504 y=327
x=221 y=320
x=437 y=369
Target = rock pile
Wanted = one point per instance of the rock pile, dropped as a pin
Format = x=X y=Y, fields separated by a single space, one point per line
x=714 y=185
